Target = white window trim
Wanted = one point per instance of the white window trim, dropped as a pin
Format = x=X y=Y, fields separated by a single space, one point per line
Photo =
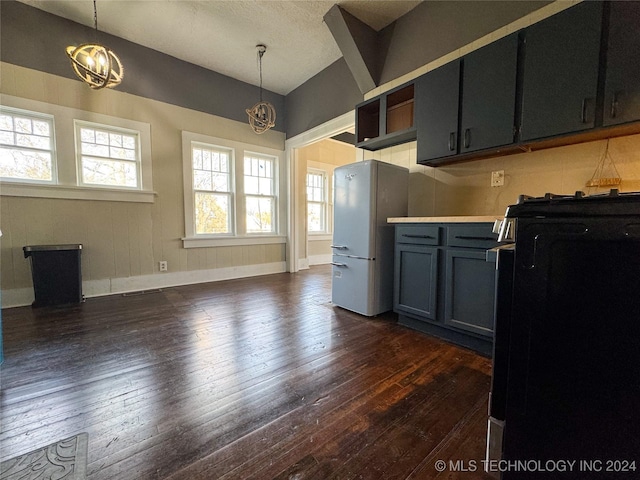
x=191 y=239
x=77 y=125
x=67 y=186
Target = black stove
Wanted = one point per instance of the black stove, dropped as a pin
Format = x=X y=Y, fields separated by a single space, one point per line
x=566 y=362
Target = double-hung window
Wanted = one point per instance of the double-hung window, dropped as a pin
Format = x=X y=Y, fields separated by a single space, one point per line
x=316 y=202
x=260 y=193
x=51 y=151
x=231 y=192
x=107 y=156
x=212 y=189
x=27 y=147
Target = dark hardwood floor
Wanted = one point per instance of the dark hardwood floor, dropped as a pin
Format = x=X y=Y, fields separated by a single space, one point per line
x=258 y=378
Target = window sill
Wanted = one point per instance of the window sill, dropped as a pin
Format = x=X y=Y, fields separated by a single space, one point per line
x=16 y=189
x=199 y=242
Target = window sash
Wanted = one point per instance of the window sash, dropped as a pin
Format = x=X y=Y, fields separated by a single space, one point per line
x=206 y=220
x=260 y=213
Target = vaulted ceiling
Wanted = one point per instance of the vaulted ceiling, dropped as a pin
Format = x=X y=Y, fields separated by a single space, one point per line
x=221 y=35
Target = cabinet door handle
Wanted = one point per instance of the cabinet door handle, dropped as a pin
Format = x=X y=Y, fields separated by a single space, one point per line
x=583 y=112
x=408 y=235
x=452 y=141
x=469 y=237
x=614 y=104
x=467 y=137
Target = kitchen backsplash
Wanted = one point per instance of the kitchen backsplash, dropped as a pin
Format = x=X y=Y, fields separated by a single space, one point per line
x=465 y=188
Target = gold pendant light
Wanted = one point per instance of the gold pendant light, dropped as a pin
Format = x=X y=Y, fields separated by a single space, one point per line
x=94 y=63
x=262 y=116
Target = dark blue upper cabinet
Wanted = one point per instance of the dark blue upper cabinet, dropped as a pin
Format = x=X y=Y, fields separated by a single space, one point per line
x=483 y=85
x=622 y=86
x=436 y=100
x=560 y=82
x=489 y=95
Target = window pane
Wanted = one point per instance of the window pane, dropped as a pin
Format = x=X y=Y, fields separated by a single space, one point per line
x=32 y=141
x=220 y=182
x=6 y=122
x=265 y=186
x=260 y=216
x=22 y=125
x=109 y=172
x=197 y=158
x=251 y=185
x=95 y=149
x=41 y=128
x=102 y=138
x=202 y=180
x=129 y=142
x=87 y=135
x=315 y=221
x=26 y=165
x=6 y=138
x=115 y=140
x=212 y=213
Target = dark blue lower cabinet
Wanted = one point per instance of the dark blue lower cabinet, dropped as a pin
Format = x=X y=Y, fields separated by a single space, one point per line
x=416 y=279
x=446 y=288
x=469 y=291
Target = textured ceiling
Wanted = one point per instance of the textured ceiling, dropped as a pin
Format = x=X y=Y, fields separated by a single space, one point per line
x=221 y=35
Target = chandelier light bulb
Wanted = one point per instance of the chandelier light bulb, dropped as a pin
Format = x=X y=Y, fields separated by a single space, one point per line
x=96 y=65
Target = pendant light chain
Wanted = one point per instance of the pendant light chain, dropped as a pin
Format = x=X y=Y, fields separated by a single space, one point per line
x=95 y=15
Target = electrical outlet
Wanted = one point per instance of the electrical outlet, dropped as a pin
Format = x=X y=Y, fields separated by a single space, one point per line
x=163 y=266
x=497 y=178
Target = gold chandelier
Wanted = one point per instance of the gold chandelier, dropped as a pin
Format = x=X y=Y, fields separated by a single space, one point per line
x=94 y=63
x=262 y=116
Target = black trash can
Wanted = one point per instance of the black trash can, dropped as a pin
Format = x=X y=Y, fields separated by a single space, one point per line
x=57 y=273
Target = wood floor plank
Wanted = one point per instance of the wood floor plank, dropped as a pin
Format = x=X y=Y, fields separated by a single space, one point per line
x=260 y=378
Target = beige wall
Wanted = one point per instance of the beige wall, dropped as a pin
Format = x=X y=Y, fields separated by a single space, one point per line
x=465 y=188
x=124 y=240
x=323 y=155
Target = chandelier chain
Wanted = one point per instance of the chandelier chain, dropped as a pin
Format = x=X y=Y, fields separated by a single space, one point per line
x=260 y=54
x=95 y=15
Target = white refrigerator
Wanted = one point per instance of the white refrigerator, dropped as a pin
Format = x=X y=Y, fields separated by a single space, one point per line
x=365 y=195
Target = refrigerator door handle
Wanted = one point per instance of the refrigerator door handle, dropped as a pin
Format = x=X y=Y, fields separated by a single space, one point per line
x=339 y=247
x=339 y=264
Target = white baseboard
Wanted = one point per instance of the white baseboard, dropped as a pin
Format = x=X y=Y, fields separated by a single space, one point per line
x=303 y=264
x=320 y=259
x=19 y=297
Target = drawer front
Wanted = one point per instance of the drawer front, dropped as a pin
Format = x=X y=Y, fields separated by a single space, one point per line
x=418 y=234
x=472 y=236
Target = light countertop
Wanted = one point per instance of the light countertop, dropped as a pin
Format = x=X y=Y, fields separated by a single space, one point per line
x=454 y=219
